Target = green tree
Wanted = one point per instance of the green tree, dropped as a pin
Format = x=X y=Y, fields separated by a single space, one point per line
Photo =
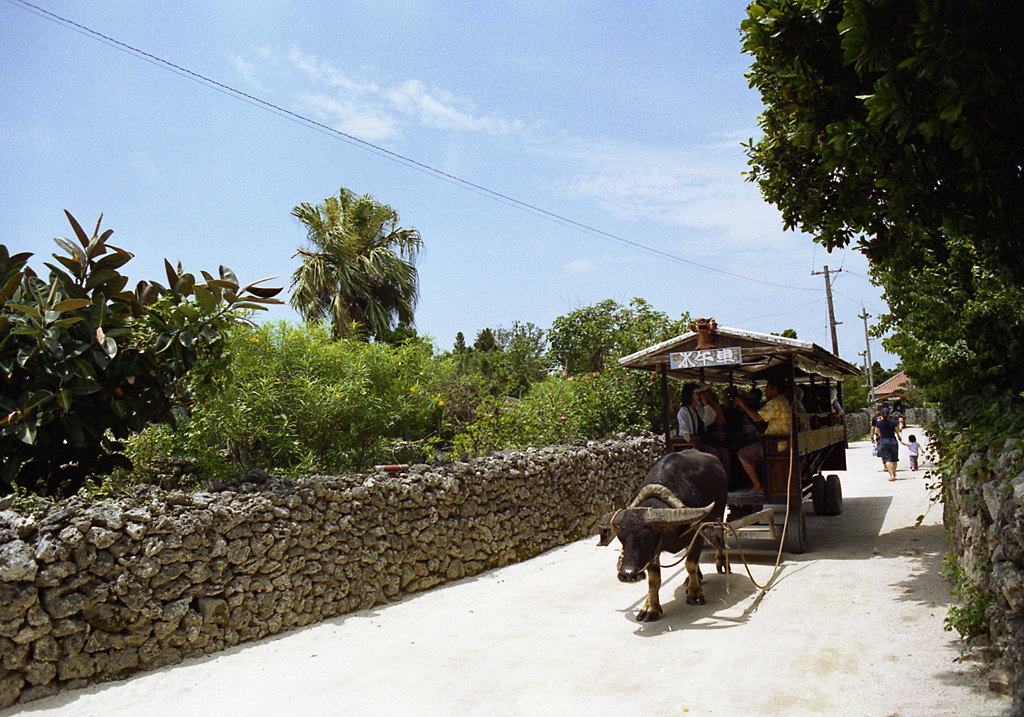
x=85 y=363
x=360 y=270
x=896 y=124
x=524 y=356
x=485 y=341
x=296 y=399
x=592 y=337
x=957 y=326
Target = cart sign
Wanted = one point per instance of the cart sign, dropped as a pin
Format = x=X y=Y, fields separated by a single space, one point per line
x=706 y=357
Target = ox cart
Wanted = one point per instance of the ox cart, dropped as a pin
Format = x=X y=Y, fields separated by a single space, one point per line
x=794 y=465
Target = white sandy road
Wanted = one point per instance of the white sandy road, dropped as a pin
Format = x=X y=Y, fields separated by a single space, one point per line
x=853 y=627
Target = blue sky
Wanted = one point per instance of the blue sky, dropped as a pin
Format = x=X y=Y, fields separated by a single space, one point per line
x=624 y=118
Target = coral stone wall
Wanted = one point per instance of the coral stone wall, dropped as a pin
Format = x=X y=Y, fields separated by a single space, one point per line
x=96 y=591
x=984 y=516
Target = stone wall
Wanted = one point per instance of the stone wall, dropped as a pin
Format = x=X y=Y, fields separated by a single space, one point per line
x=94 y=591
x=858 y=425
x=984 y=515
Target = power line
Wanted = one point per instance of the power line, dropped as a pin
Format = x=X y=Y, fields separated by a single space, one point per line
x=375 y=149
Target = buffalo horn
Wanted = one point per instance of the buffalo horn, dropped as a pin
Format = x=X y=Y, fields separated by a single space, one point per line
x=673 y=516
x=656 y=490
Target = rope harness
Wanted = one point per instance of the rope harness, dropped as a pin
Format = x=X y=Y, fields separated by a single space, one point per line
x=699 y=530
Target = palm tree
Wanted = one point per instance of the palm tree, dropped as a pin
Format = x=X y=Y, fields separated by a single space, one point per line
x=360 y=270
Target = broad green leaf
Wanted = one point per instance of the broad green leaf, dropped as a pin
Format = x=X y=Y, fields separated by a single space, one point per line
x=184 y=285
x=83 y=238
x=951 y=113
x=96 y=248
x=66 y=322
x=109 y=347
x=26 y=432
x=172 y=275
x=206 y=299
x=31 y=311
x=72 y=304
x=163 y=341
x=11 y=286
x=54 y=346
x=64 y=399
x=115 y=260
x=251 y=304
x=98 y=277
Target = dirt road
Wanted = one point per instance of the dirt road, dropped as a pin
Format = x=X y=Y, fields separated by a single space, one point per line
x=853 y=627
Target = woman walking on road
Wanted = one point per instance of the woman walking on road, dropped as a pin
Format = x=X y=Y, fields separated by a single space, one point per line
x=887 y=431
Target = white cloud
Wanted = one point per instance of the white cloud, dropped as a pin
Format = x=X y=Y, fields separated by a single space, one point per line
x=247 y=72
x=323 y=72
x=701 y=190
x=363 y=107
x=355 y=118
x=580 y=266
x=437 y=109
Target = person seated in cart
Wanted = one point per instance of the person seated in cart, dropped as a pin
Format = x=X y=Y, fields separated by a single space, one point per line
x=776 y=413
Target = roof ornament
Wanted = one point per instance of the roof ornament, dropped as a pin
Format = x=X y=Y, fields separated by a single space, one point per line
x=705 y=330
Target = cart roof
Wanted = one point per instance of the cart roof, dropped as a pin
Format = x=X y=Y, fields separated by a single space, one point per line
x=760 y=353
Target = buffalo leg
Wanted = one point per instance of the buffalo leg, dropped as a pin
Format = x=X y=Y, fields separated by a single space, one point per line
x=694 y=593
x=651 y=610
x=722 y=561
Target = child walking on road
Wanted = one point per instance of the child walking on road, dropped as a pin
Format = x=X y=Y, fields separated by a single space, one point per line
x=913 y=450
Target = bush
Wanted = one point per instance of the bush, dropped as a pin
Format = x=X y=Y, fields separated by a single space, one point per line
x=86 y=364
x=561 y=409
x=293 y=399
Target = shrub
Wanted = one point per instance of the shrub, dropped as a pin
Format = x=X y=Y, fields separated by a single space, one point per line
x=85 y=363
x=293 y=399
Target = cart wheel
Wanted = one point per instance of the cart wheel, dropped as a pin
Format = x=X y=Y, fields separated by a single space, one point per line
x=795 y=539
x=833 y=495
x=818 y=494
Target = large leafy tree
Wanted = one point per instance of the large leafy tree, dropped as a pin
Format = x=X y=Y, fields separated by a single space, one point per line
x=85 y=362
x=895 y=121
x=895 y=124
x=594 y=337
x=359 y=272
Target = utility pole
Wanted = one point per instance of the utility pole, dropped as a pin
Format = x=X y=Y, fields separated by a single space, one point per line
x=867 y=353
x=831 y=312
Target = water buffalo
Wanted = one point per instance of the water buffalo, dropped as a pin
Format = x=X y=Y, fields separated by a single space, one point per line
x=680 y=492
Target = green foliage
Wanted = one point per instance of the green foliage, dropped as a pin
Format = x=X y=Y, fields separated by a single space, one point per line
x=560 y=409
x=85 y=363
x=588 y=339
x=958 y=328
x=485 y=341
x=855 y=393
x=895 y=123
x=894 y=119
x=360 y=272
x=968 y=617
x=296 y=400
